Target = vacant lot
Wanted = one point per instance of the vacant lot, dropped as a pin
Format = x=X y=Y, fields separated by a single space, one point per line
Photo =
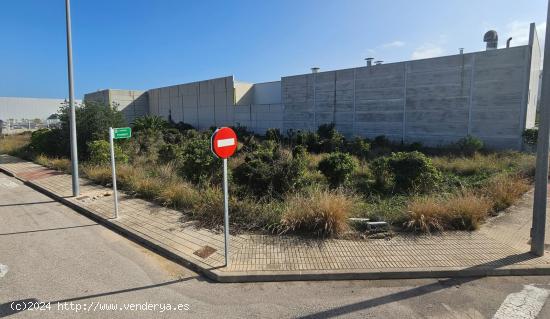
x=300 y=182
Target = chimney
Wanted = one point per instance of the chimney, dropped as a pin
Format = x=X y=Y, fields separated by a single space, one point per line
x=315 y=70
x=461 y=50
x=508 y=42
x=491 y=38
x=369 y=61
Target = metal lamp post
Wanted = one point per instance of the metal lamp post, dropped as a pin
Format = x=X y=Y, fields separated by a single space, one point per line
x=72 y=121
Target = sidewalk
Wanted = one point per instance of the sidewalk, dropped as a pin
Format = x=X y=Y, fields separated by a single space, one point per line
x=499 y=248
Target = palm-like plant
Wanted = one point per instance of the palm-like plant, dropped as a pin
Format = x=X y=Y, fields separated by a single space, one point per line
x=149 y=122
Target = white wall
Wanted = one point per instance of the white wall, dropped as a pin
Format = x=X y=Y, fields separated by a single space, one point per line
x=28 y=108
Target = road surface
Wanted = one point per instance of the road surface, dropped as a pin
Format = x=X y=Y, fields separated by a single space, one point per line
x=63 y=265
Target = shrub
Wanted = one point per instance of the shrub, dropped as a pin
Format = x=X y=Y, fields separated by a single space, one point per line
x=172 y=136
x=359 y=147
x=147 y=143
x=530 y=136
x=198 y=162
x=100 y=153
x=270 y=171
x=170 y=152
x=273 y=134
x=406 y=172
x=337 y=168
x=468 y=145
x=381 y=141
x=149 y=123
x=183 y=127
x=330 y=139
x=322 y=212
x=310 y=140
x=46 y=141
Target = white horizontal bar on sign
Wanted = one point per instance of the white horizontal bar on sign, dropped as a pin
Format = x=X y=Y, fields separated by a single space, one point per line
x=226 y=142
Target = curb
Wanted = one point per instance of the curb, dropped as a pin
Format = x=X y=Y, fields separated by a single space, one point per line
x=308 y=275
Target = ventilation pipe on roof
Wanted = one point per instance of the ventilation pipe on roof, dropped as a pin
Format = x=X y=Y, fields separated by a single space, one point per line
x=378 y=62
x=461 y=50
x=491 y=38
x=315 y=70
x=369 y=61
x=508 y=42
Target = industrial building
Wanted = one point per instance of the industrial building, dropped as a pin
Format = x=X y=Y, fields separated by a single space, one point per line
x=490 y=94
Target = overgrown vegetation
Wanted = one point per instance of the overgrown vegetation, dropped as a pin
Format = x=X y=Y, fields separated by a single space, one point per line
x=303 y=182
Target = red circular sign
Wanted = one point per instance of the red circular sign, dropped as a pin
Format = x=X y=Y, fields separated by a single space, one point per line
x=224 y=142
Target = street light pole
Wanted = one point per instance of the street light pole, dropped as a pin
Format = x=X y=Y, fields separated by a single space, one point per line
x=541 y=178
x=72 y=121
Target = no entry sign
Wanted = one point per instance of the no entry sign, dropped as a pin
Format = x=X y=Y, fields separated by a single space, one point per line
x=224 y=142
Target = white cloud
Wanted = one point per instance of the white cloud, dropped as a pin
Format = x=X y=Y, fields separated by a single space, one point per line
x=519 y=32
x=393 y=44
x=427 y=50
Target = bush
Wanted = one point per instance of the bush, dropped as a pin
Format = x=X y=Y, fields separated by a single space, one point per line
x=270 y=171
x=406 y=172
x=273 y=134
x=330 y=139
x=183 y=127
x=468 y=145
x=46 y=141
x=322 y=212
x=530 y=136
x=359 y=147
x=198 y=163
x=170 y=152
x=337 y=168
x=149 y=123
x=172 y=136
x=100 y=153
x=381 y=141
x=310 y=140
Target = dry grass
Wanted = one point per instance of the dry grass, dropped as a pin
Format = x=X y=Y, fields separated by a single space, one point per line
x=11 y=144
x=180 y=195
x=60 y=164
x=319 y=211
x=487 y=163
x=504 y=190
x=464 y=211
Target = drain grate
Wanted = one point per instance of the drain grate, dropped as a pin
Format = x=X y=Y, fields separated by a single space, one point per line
x=205 y=252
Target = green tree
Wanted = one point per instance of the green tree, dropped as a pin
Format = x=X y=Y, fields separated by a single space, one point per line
x=92 y=123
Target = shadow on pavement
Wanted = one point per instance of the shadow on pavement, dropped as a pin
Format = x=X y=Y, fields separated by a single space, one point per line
x=48 y=229
x=16 y=306
x=418 y=291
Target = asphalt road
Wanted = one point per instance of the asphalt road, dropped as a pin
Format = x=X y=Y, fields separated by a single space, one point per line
x=63 y=265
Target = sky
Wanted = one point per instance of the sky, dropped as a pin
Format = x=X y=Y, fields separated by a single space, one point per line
x=143 y=44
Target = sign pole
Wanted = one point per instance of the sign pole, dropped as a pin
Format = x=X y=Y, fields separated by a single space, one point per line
x=113 y=169
x=538 y=229
x=226 y=212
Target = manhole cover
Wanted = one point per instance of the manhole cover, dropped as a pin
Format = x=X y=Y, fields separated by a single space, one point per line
x=205 y=251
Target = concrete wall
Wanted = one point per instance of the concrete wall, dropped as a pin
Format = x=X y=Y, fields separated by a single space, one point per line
x=131 y=103
x=261 y=109
x=434 y=101
x=202 y=104
x=28 y=108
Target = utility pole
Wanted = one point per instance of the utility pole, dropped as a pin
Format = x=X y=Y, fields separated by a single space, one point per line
x=541 y=179
x=74 y=151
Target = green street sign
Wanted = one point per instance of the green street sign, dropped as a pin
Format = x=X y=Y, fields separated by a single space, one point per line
x=122 y=132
